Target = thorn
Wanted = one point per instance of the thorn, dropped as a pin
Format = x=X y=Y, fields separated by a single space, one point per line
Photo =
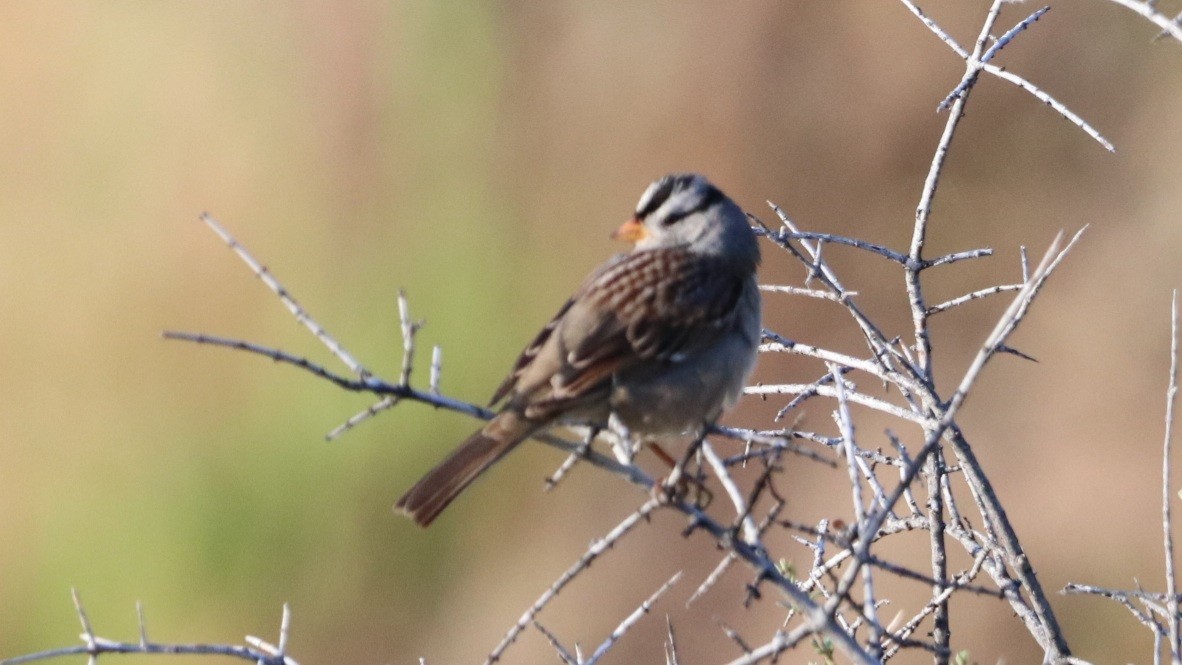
x=1005 y=349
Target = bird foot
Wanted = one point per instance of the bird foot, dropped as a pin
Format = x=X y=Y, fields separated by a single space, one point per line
x=679 y=486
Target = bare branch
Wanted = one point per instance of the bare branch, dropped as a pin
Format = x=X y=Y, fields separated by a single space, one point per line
x=936 y=29
x=409 y=329
x=563 y=655
x=294 y=307
x=798 y=291
x=1166 y=494
x=923 y=211
x=1050 y=101
x=1121 y=597
x=1168 y=26
x=997 y=46
x=94 y=646
x=632 y=619
x=975 y=295
x=830 y=391
x=846 y=425
x=783 y=236
x=670 y=643
x=598 y=548
x=750 y=531
x=436 y=369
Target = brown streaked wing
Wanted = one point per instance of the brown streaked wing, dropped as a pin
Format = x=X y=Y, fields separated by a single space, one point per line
x=527 y=355
x=659 y=303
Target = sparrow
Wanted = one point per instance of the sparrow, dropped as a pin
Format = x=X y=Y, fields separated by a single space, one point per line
x=662 y=339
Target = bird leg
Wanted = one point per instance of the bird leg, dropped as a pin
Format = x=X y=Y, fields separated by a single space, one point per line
x=677 y=483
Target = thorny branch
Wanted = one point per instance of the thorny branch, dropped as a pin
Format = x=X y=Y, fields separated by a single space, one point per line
x=258 y=651
x=1164 y=605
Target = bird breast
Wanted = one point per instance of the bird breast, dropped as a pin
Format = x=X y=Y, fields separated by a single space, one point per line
x=684 y=392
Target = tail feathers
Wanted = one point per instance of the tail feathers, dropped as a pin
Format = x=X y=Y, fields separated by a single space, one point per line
x=436 y=490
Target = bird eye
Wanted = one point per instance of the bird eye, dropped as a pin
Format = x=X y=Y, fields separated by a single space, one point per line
x=690 y=202
x=674 y=217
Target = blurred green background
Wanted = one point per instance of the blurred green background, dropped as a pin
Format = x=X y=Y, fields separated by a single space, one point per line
x=477 y=154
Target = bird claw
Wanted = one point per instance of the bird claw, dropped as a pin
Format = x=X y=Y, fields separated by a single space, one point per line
x=678 y=486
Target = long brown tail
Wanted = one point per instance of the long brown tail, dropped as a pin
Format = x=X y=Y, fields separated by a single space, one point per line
x=441 y=485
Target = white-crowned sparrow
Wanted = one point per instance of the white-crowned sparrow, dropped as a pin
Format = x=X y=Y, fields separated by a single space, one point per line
x=663 y=338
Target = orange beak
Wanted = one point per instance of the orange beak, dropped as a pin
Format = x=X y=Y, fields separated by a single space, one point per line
x=632 y=231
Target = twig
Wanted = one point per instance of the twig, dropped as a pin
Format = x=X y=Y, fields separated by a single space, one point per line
x=713 y=577
x=783 y=236
x=939 y=600
x=976 y=65
x=936 y=29
x=370 y=411
x=988 y=55
x=597 y=548
x=377 y=386
x=1121 y=597
x=774 y=440
x=799 y=291
x=1168 y=26
x=1166 y=494
x=955 y=257
x=975 y=295
x=941 y=628
x=919 y=316
x=1048 y=632
x=846 y=425
x=632 y=619
x=563 y=655
x=94 y=646
x=670 y=643
x=829 y=391
x=277 y=355
x=409 y=329
x=802 y=397
x=750 y=531
x=288 y=301
x=817 y=618
x=874 y=336
x=779 y=344
x=1177 y=20
x=572 y=459
x=1050 y=101
x=436 y=369
x=1013 y=32
x=734 y=636
x=908 y=496
x=1014 y=314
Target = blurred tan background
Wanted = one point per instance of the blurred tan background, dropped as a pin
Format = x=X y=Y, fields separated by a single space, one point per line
x=477 y=154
